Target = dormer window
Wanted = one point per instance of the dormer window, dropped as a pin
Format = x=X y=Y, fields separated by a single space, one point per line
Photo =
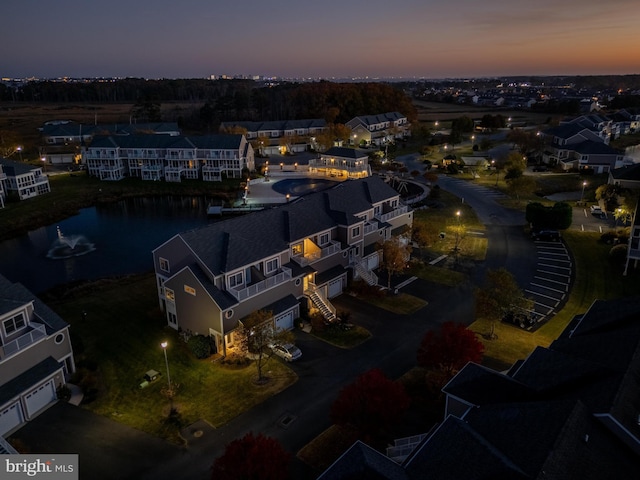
x=13 y=324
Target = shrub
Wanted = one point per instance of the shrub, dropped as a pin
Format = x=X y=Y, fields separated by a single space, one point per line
x=618 y=254
x=200 y=346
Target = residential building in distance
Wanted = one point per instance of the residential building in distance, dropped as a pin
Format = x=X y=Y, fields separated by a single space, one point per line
x=36 y=356
x=3 y=191
x=285 y=259
x=368 y=130
x=279 y=137
x=170 y=158
x=574 y=145
x=569 y=410
x=342 y=162
x=23 y=179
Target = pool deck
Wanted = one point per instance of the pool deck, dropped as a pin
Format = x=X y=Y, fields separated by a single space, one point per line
x=261 y=190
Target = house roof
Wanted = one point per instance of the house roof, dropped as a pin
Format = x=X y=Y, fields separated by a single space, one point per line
x=231 y=244
x=279 y=125
x=15 y=295
x=345 y=152
x=28 y=379
x=369 y=120
x=12 y=168
x=567 y=411
x=628 y=172
x=362 y=461
x=205 y=142
x=589 y=147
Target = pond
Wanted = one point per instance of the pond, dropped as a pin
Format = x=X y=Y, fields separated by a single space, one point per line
x=107 y=240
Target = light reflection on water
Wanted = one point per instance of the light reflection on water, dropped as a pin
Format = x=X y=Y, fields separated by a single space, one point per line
x=123 y=233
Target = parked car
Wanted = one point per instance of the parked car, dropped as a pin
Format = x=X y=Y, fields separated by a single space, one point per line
x=540 y=168
x=523 y=319
x=287 y=352
x=545 y=234
x=596 y=210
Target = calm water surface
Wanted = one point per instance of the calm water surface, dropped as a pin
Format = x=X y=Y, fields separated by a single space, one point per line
x=124 y=234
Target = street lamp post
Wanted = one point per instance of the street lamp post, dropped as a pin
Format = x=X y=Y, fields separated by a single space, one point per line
x=584 y=184
x=457 y=231
x=166 y=361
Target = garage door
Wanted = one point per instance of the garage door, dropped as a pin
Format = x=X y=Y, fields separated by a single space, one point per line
x=40 y=397
x=10 y=418
x=284 y=322
x=335 y=288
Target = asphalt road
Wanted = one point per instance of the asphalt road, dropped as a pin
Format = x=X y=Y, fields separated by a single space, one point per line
x=300 y=413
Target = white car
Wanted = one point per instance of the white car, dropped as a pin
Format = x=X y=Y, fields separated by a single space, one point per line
x=596 y=210
x=287 y=352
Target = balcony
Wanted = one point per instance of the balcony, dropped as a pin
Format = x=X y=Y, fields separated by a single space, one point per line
x=385 y=217
x=38 y=332
x=259 y=287
x=370 y=227
x=309 y=258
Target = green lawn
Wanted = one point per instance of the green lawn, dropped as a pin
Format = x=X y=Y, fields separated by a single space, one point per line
x=343 y=338
x=120 y=340
x=595 y=278
x=402 y=303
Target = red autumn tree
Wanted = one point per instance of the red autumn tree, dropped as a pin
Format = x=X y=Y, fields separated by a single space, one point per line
x=370 y=405
x=449 y=349
x=252 y=458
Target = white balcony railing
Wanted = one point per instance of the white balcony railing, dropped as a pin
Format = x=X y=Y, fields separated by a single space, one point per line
x=267 y=283
x=304 y=260
x=23 y=341
x=385 y=217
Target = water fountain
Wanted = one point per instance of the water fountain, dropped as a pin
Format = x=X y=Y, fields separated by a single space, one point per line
x=69 y=246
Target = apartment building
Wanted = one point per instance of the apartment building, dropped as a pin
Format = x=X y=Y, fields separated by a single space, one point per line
x=282 y=260
x=25 y=180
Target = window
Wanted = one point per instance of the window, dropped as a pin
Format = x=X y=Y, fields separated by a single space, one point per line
x=236 y=279
x=355 y=232
x=164 y=264
x=297 y=249
x=14 y=324
x=271 y=265
x=170 y=294
x=190 y=290
x=324 y=239
x=59 y=338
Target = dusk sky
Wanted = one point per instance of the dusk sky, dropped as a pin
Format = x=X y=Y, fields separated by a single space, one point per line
x=329 y=38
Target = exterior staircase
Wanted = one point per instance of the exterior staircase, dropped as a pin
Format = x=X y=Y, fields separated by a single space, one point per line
x=366 y=274
x=322 y=304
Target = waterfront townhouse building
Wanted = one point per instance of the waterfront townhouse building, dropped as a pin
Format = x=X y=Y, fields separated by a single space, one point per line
x=279 y=137
x=170 y=158
x=342 y=162
x=25 y=180
x=379 y=129
x=603 y=126
x=283 y=260
x=62 y=133
x=36 y=356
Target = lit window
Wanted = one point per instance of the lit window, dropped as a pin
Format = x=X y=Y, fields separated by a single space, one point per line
x=170 y=294
x=14 y=324
x=190 y=290
x=297 y=249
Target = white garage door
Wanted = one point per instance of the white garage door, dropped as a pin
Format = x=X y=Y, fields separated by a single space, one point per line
x=335 y=288
x=40 y=397
x=284 y=322
x=10 y=417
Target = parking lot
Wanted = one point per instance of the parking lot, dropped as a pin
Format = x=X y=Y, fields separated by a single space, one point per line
x=552 y=280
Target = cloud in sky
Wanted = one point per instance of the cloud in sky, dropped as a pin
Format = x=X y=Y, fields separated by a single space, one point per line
x=195 y=38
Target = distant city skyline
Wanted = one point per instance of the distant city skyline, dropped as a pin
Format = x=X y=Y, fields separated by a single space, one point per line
x=283 y=38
